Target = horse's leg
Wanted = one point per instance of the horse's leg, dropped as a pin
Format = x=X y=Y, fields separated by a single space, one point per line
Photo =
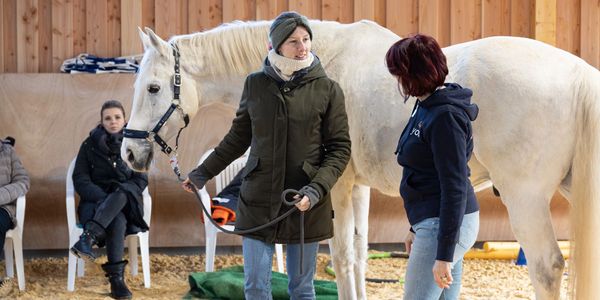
x=361 y=195
x=342 y=252
x=530 y=218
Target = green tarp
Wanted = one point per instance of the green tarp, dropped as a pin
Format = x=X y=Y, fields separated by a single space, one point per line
x=228 y=283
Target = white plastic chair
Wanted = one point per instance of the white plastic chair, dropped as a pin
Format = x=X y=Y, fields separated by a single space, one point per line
x=221 y=181
x=13 y=245
x=75 y=230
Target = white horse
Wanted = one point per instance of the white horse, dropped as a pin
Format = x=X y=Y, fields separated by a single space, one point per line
x=537 y=130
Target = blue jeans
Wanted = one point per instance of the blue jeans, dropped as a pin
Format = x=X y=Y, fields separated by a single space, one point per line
x=258 y=262
x=419 y=282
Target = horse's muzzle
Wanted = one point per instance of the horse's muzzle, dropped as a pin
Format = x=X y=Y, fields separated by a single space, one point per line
x=138 y=154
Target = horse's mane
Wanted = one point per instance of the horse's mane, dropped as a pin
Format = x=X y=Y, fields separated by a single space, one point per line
x=231 y=48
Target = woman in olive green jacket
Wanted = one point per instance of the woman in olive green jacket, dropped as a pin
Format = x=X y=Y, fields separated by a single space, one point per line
x=294 y=119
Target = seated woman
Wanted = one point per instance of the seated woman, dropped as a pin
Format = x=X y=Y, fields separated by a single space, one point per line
x=14 y=183
x=111 y=196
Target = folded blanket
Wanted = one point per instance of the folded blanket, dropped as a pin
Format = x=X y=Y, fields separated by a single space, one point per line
x=228 y=283
x=87 y=63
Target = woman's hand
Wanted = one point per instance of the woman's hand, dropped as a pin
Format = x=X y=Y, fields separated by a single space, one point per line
x=442 y=273
x=304 y=204
x=408 y=241
x=187 y=185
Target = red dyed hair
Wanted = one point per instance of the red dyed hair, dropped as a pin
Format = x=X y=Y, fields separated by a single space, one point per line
x=418 y=63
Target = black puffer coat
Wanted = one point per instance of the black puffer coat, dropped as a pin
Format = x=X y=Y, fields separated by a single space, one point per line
x=99 y=171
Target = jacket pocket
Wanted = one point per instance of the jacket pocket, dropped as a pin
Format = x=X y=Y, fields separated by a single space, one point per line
x=309 y=170
x=255 y=188
x=251 y=165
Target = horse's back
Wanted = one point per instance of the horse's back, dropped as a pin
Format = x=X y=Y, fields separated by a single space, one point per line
x=527 y=93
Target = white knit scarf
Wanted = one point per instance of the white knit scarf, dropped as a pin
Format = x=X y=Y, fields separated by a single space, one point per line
x=285 y=67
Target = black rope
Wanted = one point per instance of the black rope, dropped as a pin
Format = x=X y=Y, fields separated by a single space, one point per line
x=257 y=228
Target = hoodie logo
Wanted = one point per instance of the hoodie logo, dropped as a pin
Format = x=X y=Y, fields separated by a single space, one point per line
x=417 y=131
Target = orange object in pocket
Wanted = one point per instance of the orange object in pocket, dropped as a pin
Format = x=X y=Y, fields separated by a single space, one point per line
x=223 y=215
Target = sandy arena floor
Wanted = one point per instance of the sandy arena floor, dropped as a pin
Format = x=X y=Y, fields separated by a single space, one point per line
x=47 y=279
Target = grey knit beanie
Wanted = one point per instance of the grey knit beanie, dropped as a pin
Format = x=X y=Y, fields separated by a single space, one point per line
x=283 y=26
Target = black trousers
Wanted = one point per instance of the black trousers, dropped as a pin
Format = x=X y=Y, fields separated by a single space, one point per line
x=6 y=224
x=110 y=214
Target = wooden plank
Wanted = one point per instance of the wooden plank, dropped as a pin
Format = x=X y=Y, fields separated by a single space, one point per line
x=496 y=17
x=27 y=36
x=2 y=36
x=167 y=17
x=96 y=33
x=364 y=9
x=568 y=28
x=79 y=27
x=204 y=14
x=465 y=20
x=131 y=19
x=239 y=10
x=269 y=9
x=434 y=20
x=590 y=32
x=45 y=35
x=337 y=10
x=403 y=16
x=183 y=17
x=521 y=18
x=113 y=30
x=148 y=19
x=309 y=8
x=380 y=12
x=545 y=21
x=62 y=32
x=9 y=37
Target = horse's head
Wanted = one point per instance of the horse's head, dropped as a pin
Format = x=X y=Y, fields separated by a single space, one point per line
x=154 y=93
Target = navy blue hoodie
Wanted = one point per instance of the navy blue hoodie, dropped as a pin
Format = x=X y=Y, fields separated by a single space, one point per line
x=434 y=149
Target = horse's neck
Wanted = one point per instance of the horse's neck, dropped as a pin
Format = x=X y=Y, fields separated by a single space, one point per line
x=220 y=58
x=231 y=50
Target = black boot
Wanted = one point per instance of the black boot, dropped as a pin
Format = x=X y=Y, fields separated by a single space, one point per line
x=93 y=234
x=114 y=272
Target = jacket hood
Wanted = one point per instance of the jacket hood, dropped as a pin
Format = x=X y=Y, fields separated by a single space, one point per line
x=106 y=142
x=453 y=94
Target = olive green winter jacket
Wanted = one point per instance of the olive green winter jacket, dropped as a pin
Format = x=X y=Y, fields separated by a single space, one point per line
x=298 y=134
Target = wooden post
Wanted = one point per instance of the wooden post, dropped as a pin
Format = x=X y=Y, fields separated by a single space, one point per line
x=545 y=21
x=590 y=32
x=131 y=19
x=434 y=20
x=402 y=17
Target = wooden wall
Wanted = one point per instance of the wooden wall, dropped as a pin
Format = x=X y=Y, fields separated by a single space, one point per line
x=38 y=35
x=51 y=114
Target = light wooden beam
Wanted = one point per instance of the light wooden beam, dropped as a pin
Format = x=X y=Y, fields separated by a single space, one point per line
x=545 y=21
x=131 y=19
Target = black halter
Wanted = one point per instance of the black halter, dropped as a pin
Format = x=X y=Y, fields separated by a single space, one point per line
x=152 y=136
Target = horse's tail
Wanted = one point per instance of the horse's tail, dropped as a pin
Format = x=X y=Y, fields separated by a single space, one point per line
x=585 y=211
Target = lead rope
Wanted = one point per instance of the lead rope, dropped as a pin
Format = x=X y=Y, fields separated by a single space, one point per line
x=175 y=166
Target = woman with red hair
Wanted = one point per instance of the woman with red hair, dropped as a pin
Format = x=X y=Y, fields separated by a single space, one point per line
x=433 y=150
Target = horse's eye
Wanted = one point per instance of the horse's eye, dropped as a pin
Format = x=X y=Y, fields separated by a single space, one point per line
x=153 y=88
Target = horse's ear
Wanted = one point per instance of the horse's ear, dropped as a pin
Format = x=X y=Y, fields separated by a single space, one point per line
x=159 y=44
x=145 y=39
